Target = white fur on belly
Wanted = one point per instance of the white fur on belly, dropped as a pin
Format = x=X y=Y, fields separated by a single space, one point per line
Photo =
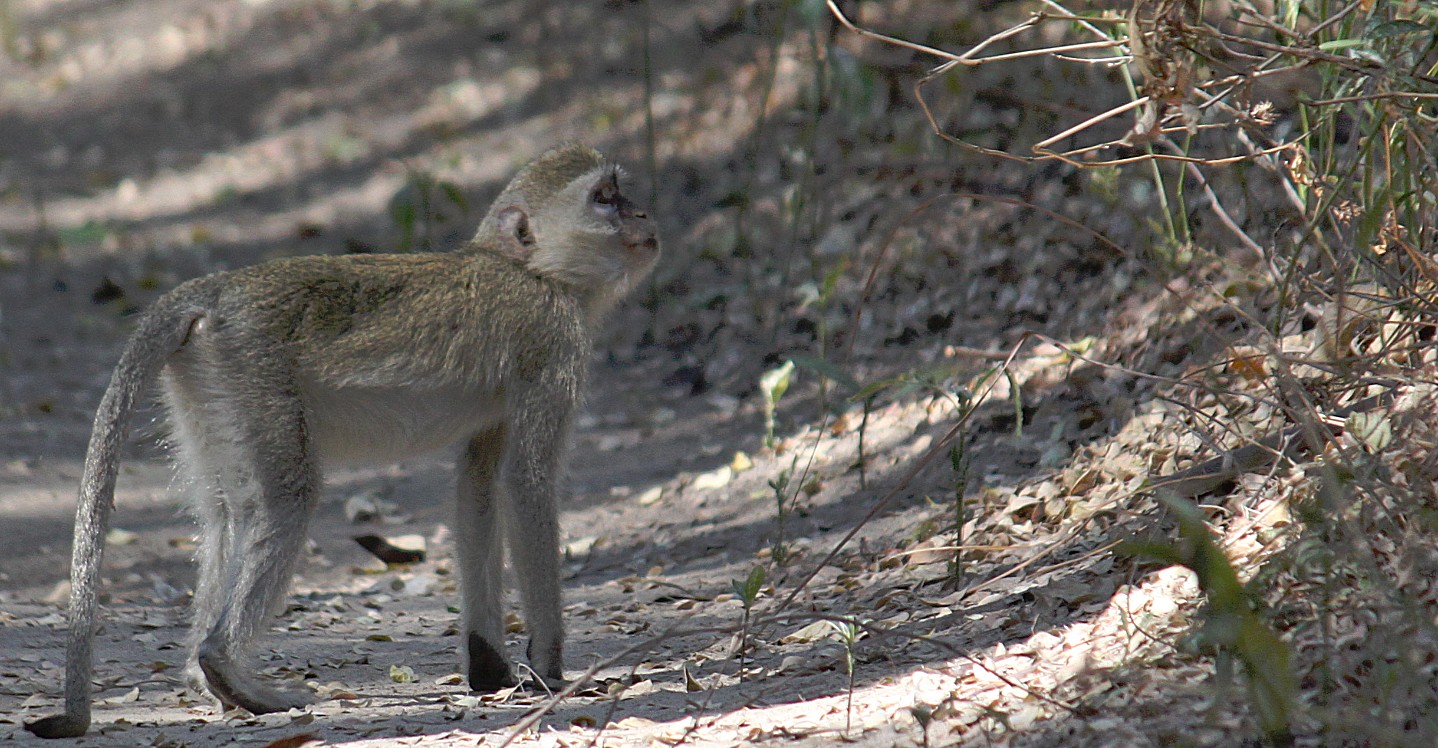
x=361 y=425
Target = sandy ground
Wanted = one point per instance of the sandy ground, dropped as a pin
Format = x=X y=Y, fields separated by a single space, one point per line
x=143 y=142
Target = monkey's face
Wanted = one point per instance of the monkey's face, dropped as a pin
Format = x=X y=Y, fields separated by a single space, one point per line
x=635 y=229
x=593 y=236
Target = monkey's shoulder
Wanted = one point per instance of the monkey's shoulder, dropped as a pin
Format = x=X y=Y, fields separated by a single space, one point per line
x=427 y=310
x=433 y=305
x=324 y=275
x=358 y=284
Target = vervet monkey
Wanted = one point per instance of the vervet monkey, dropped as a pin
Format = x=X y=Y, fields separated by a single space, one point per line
x=272 y=371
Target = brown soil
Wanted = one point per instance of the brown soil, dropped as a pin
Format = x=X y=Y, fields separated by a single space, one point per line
x=143 y=142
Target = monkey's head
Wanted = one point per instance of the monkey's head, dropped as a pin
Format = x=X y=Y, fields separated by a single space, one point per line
x=565 y=217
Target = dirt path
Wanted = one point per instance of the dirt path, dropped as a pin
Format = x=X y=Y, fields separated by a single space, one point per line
x=659 y=529
x=148 y=141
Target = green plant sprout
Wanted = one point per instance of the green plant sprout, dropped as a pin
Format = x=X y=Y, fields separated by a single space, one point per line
x=748 y=592
x=417 y=206
x=848 y=633
x=773 y=384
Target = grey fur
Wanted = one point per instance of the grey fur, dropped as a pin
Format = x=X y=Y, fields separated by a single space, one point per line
x=271 y=372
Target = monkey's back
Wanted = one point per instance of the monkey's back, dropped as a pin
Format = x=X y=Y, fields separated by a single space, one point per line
x=391 y=355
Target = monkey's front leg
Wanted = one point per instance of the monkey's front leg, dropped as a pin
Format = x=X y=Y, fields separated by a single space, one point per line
x=478 y=550
x=533 y=528
x=534 y=548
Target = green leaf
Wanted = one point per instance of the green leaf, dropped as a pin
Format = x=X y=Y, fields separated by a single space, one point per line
x=874 y=388
x=814 y=12
x=809 y=295
x=89 y=232
x=773 y=384
x=404 y=211
x=1291 y=9
x=455 y=196
x=1371 y=55
x=1335 y=45
x=831 y=279
x=1397 y=28
x=1164 y=554
x=733 y=199
x=754 y=582
x=846 y=630
x=827 y=369
x=748 y=590
x=855 y=83
x=1231 y=622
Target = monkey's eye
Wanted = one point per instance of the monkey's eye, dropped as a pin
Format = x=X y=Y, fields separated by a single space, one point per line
x=606 y=195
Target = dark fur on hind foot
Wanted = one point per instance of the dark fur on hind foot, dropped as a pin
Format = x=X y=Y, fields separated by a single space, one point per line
x=234 y=689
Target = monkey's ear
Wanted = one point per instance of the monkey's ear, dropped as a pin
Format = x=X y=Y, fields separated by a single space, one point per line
x=516 y=238
x=514 y=224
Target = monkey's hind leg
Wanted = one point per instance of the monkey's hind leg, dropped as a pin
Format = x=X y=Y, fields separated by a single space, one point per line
x=213 y=545
x=268 y=490
x=478 y=550
x=196 y=477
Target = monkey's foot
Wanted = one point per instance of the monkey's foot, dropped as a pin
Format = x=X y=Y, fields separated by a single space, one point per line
x=195 y=678
x=234 y=689
x=59 y=726
x=548 y=683
x=488 y=670
x=546 y=662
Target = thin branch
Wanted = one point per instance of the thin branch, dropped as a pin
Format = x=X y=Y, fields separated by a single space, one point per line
x=1370 y=97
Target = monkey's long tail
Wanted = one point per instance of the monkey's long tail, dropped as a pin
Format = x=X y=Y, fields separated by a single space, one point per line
x=162 y=331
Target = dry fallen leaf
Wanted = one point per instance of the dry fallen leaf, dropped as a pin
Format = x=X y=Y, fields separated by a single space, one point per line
x=633 y=723
x=1247 y=362
x=690 y=684
x=119 y=536
x=717 y=478
x=651 y=496
x=393 y=551
x=813 y=632
x=581 y=546
x=932 y=551
x=367 y=508
x=499 y=696
x=741 y=462
x=59 y=594
x=129 y=697
x=294 y=741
